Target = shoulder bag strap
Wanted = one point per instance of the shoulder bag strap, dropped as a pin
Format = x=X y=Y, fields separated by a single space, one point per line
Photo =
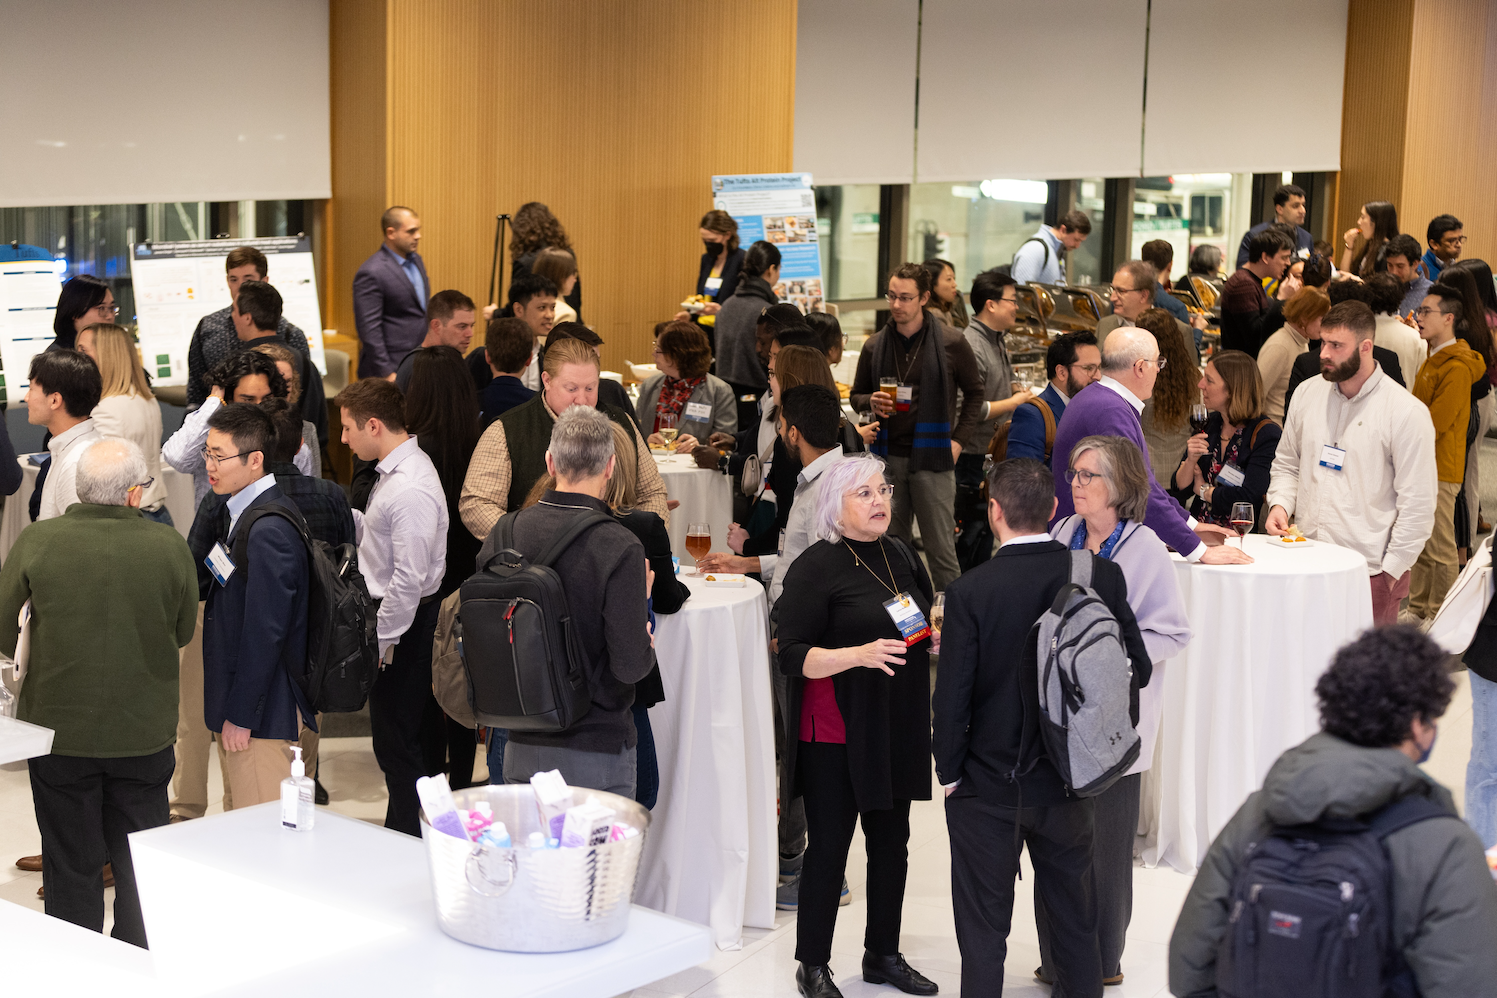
x=1049 y=417
x=582 y=523
x=247 y=520
x=1408 y=810
x=1081 y=566
x=1253 y=440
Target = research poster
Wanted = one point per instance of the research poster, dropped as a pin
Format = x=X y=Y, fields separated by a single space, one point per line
x=176 y=284
x=28 y=301
x=779 y=208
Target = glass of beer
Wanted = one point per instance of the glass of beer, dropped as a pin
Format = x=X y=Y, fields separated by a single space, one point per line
x=938 y=612
x=890 y=387
x=698 y=542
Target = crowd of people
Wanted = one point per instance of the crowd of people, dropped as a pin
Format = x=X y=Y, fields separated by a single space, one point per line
x=1143 y=440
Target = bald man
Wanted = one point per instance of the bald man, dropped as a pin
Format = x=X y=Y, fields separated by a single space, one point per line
x=389 y=296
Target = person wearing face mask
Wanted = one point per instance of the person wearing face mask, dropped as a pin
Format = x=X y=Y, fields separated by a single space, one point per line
x=722 y=263
x=1379 y=704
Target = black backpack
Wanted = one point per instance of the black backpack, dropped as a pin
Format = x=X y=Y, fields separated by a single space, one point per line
x=342 y=642
x=521 y=651
x=1312 y=911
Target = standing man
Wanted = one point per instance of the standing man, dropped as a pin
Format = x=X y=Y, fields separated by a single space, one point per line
x=1041 y=258
x=1356 y=464
x=1001 y=787
x=1135 y=288
x=1402 y=260
x=65 y=387
x=1074 y=362
x=256 y=314
x=929 y=362
x=255 y=624
x=108 y=690
x=215 y=337
x=1446 y=237
x=449 y=323
x=403 y=554
x=1160 y=255
x=1249 y=316
x=389 y=296
x=1444 y=386
x=1289 y=210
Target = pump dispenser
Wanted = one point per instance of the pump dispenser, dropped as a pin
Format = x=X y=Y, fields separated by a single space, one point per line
x=298 y=811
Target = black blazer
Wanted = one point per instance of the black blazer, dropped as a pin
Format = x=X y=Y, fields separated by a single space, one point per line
x=1307 y=365
x=668 y=593
x=1256 y=463
x=731 y=269
x=389 y=315
x=986 y=703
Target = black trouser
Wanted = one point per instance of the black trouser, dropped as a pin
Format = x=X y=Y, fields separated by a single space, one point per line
x=646 y=763
x=748 y=412
x=403 y=714
x=1114 y=826
x=831 y=815
x=984 y=863
x=85 y=808
x=974 y=542
x=449 y=748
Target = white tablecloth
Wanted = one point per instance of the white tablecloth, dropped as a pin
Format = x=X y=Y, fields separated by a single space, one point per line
x=1243 y=691
x=705 y=497
x=712 y=855
x=16 y=518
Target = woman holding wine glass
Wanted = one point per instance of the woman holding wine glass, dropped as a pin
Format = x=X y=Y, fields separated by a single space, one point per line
x=1110 y=489
x=683 y=405
x=1229 y=456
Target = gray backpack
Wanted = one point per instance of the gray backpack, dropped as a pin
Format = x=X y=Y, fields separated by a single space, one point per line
x=1088 y=697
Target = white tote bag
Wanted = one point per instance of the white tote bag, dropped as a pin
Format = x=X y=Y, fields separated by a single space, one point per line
x=1466 y=603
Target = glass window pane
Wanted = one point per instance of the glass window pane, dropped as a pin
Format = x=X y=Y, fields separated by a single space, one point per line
x=1086 y=260
x=847 y=221
x=976 y=225
x=1193 y=209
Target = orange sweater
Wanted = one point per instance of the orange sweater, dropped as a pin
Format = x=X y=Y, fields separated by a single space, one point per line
x=1444 y=384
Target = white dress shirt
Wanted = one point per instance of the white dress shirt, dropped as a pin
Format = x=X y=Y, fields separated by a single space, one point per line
x=403 y=538
x=61 y=488
x=240 y=501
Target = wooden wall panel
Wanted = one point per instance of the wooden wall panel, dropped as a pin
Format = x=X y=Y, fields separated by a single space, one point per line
x=1374 y=107
x=614 y=114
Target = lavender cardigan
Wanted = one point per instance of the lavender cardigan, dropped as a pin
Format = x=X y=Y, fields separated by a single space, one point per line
x=1154 y=596
x=1099 y=411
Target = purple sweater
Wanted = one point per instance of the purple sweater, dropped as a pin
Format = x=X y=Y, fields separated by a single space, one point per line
x=1099 y=411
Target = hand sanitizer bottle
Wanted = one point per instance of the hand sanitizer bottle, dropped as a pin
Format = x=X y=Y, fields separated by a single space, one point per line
x=297 y=809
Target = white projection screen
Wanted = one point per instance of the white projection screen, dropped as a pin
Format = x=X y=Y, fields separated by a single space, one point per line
x=140 y=101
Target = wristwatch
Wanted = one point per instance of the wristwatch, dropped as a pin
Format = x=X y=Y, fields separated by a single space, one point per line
x=1201 y=491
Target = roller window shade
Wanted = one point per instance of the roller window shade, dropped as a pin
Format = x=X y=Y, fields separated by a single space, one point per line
x=855 y=90
x=112 y=102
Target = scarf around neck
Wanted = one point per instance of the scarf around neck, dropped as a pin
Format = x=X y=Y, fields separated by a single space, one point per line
x=931 y=450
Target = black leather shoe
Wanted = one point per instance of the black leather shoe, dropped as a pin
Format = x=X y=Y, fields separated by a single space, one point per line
x=815 y=981
x=893 y=970
x=319 y=793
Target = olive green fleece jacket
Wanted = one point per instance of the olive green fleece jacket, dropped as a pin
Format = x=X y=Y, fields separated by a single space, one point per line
x=113 y=598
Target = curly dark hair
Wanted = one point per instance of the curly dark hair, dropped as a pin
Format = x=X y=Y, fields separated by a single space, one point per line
x=534 y=228
x=1384 y=293
x=1378 y=684
x=227 y=373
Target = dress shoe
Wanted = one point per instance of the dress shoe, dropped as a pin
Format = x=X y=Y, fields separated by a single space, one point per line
x=319 y=792
x=41 y=892
x=815 y=981
x=893 y=970
x=31 y=864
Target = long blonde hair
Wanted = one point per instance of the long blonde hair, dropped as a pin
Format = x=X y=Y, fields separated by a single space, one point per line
x=622 y=494
x=120 y=369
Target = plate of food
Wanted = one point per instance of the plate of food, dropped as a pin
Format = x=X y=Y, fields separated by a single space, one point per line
x=1293 y=539
x=696 y=304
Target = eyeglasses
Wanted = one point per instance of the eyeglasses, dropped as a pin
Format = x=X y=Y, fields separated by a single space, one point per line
x=1084 y=477
x=1453 y=241
x=1424 y=311
x=211 y=460
x=893 y=298
x=1158 y=363
x=107 y=309
x=1088 y=368
x=143 y=486
x=1122 y=291
x=865 y=494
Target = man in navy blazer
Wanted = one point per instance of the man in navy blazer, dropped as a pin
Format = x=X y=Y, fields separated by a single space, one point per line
x=1111 y=408
x=390 y=292
x=1074 y=361
x=255 y=624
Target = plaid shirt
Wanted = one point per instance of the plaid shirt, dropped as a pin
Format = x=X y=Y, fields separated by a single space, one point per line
x=215 y=340
x=322 y=503
x=486 y=487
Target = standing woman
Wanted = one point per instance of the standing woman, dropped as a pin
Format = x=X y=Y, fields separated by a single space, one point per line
x=1166 y=415
x=861 y=697
x=83 y=301
x=1363 y=245
x=702 y=404
x=736 y=347
x=441 y=410
x=721 y=266
x=533 y=229
x=1230 y=462
x=946 y=298
x=560 y=267
x=126 y=408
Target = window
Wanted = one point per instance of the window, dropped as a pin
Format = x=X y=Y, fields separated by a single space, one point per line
x=976 y=225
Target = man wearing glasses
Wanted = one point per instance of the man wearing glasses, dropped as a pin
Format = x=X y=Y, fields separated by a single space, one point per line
x=1446 y=237
x=1133 y=290
x=1074 y=361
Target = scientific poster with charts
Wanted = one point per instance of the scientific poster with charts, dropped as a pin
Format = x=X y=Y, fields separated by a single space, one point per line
x=779 y=208
x=176 y=284
x=28 y=301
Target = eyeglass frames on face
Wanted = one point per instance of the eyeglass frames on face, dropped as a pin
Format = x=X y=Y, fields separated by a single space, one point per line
x=1424 y=311
x=1084 y=477
x=865 y=494
x=893 y=298
x=143 y=486
x=1123 y=291
x=211 y=460
x=1453 y=241
x=111 y=310
x=1087 y=368
x=1158 y=363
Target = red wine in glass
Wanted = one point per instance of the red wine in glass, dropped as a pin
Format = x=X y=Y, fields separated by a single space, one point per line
x=1198 y=416
x=1242 y=520
x=1242 y=527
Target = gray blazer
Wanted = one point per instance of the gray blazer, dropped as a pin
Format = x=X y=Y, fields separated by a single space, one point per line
x=714 y=391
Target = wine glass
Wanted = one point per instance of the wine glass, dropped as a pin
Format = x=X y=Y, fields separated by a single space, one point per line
x=1242 y=519
x=698 y=543
x=938 y=612
x=1198 y=416
x=667 y=429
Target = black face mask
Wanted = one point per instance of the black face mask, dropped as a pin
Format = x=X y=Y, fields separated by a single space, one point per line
x=713 y=249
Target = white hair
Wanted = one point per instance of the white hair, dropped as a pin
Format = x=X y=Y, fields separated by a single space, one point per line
x=837 y=479
x=581 y=443
x=108 y=470
x=1126 y=346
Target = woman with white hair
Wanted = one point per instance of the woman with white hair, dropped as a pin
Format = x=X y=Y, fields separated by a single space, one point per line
x=1110 y=490
x=855 y=643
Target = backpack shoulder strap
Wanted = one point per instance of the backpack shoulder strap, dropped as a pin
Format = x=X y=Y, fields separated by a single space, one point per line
x=1408 y=810
x=1253 y=440
x=1081 y=567
x=1048 y=415
x=1033 y=239
x=248 y=518
x=582 y=523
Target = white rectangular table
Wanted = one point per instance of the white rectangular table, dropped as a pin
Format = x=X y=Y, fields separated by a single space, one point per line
x=235 y=904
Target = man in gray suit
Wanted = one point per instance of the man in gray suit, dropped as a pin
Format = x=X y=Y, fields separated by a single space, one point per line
x=389 y=296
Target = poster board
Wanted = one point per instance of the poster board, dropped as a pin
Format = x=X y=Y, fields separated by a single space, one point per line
x=28 y=302
x=176 y=284
x=779 y=208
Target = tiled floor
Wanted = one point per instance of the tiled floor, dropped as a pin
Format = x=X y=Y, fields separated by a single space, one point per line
x=766 y=964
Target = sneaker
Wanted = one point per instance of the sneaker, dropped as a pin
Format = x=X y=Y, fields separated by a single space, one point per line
x=787 y=896
x=846 y=898
x=790 y=868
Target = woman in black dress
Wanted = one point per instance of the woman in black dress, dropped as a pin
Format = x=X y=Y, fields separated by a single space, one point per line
x=860 y=693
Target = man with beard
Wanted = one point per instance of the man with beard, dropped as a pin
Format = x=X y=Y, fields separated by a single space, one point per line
x=1356 y=464
x=1074 y=361
x=1307 y=365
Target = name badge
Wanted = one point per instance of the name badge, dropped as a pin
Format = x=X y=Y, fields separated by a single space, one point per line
x=713 y=286
x=1230 y=475
x=906 y=615
x=1332 y=457
x=904 y=397
x=780 y=551
x=699 y=410
x=220 y=565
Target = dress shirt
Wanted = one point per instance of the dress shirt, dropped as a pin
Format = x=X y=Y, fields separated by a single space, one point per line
x=403 y=538
x=61 y=488
x=413 y=274
x=1128 y=396
x=184 y=449
x=1026 y=539
x=1030 y=263
x=239 y=501
x=1414 y=297
x=799 y=528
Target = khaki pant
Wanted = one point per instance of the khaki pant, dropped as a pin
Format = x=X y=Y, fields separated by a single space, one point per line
x=194 y=740
x=256 y=773
x=1435 y=571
